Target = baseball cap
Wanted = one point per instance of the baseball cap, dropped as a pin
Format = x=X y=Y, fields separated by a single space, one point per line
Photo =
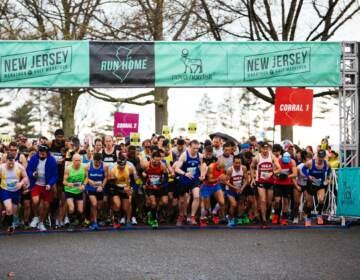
x=43 y=148
x=264 y=145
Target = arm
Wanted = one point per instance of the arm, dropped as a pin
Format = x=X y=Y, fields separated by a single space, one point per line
x=203 y=168
x=53 y=179
x=246 y=177
x=277 y=167
x=253 y=171
x=23 y=161
x=66 y=176
x=294 y=171
x=179 y=164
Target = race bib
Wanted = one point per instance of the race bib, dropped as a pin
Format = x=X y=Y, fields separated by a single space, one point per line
x=77 y=184
x=265 y=174
x=317 y=182
x=154 y=180
x=191 y=170
x=121 y=186
x=11 y=185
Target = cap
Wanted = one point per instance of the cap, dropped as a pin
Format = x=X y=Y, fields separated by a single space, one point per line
x=286 y=158
x=43 y=148
x=321 y=154
x=10 y=157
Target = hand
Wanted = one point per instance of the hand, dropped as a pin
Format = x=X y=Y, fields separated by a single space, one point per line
x=99 y=189
x=189 y=175
x=269 y=177
x=47 y=187
x=311 y=178
x=35 y=174
x=128 y=191
x=82 y=187
x=202 y=177
x=252 y=183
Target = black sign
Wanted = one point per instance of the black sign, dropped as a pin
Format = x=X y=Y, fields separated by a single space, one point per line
x=122 y=64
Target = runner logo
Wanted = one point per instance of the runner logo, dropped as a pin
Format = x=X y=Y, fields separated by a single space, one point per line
x=193 y=68
x=35 y=64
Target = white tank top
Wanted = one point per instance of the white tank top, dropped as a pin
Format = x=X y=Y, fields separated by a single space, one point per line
x=237 y=177
x=265 y=167
x=301 y=178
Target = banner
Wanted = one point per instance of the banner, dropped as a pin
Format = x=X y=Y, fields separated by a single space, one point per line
x=199 y=64
x=120 y=64
x=293 y=106
x=43 y=64
x=5 y=139
x=192 y=127
x=125 y=123
x=348 y=199
x=135 y=139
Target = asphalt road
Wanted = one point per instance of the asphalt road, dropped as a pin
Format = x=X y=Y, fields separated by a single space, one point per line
x=184 y=254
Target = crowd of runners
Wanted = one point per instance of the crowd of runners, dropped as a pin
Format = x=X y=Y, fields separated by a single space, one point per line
x=61 y=183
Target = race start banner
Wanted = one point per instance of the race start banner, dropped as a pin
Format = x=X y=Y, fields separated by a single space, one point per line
x=348 y=198
x=98 y=64
x=293 y=106
x=125 y=124
x=44 y=64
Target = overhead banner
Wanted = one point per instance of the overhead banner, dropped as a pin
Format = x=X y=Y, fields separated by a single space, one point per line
x=121 y=64
x=44 y=64
x=254 y=64
x=125 y=124
x=293 y=106
x=348 y=198
x=96 y=64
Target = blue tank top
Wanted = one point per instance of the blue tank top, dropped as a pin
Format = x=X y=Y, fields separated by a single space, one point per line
x=191 y=165
x=96 y=175
x=319 y=175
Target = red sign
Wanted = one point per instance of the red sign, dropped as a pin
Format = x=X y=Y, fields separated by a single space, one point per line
x=125 y=123
x=293 y=106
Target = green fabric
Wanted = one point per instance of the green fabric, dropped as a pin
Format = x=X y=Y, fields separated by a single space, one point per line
x=75 y=176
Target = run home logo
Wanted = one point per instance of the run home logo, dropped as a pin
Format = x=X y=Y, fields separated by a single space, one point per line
x=281 y=63
x=35 y=64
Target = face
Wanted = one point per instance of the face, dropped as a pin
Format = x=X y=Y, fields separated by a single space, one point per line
x=167 y=150
x=194 y=148
x=156 y=161
x=180 y=148
x=97 y=163
x=42 y=154
x=12 y=150
x=161 y=141
x=98 y=146
x=10 y=163
x=109 y=142
x=208 y=154
x=276 y=154
x=227 y=151
x=216 y=142
x=76 y=161
x=237 y=163
x=264 y=150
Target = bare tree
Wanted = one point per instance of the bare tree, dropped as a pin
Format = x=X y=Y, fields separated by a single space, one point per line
x=266 y=20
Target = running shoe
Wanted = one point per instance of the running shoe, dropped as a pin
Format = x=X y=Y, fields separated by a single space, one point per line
x=203 y=222
x=133 y=221
x=319 y=220
x=10 y=230
x=66 y=221
x=231 y=223
x=34 y=222
x=116 y=225
x=246 y=220
x=264 y=225
x=307 y=222
x=41 y=227
x=122 y=221
x=155 y=224
x=284 y=222
x=179 y=221
x=150 y=219
x=93 y=226
x=295 y=220
x=240 y=221
x=193 y=221
x=275 y=219
x=216 y=220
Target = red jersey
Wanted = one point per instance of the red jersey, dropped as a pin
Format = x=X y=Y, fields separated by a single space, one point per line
x=215 y=174
x=154 y=177
x=286 y=168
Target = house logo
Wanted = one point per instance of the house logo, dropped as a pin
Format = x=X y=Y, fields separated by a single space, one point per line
x=193 y=68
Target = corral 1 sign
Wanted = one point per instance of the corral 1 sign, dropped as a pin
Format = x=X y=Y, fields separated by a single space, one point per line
x=78 y=64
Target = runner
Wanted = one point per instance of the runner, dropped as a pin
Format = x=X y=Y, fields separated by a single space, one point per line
x=75 y=179
x=283 y=187
x=97 y=174
x=217 y=148
x=192 y=170
x=214 y=176
x=120 y=181
x=318 y=173
x=237 y=183
x=300 y=185
x=156 y=175
x=43 y=174
x=266 y=166
x=13 y=179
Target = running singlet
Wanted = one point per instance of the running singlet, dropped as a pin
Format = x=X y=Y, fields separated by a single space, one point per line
x=265 y=168
x=169 y=159
x=56 y=152
x=191 y=165
x=77 y=177
x=301 y=178
x=154 y=177
x=236 y=179
x=215 y=175
x=121 y=176
x=9 y=178
x=109 y=159
x=319 y=175
x=286 y=169
x=96 y=174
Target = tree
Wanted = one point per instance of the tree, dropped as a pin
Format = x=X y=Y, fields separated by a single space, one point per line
x=23 y=120
x=206 y=115
x=227 y=112
x=3 y=104
x=260 y=21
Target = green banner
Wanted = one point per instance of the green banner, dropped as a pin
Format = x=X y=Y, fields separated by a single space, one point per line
x=42 y=64
x=223 y=64
x=348 y=198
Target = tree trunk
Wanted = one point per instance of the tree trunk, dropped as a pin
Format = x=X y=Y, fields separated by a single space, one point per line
x=161 y=108
x=68 y=103
x=286 y=133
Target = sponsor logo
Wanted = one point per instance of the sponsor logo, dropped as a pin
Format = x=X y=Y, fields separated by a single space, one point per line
x=282 y=63
x=347 y=195
x=35 y=64
x=124 y=64
x=193 y=68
